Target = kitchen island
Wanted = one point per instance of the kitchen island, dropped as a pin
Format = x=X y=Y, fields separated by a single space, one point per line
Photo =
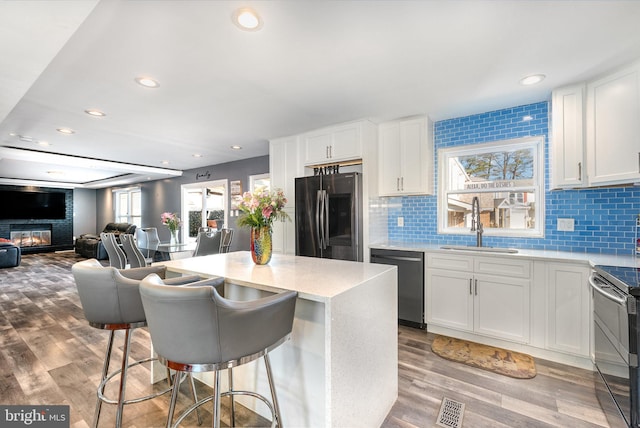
x=340 y=367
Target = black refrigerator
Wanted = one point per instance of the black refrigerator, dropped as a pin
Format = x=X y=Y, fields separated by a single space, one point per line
x=329 y=216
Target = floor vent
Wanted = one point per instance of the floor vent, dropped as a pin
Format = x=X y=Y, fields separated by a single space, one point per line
x=451 y=413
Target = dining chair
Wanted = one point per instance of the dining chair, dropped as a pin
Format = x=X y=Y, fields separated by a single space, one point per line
x=223 y=334
x=148 y=240
x=134 y=255
x=117 y=258
x=225 y=239
x=207 y=243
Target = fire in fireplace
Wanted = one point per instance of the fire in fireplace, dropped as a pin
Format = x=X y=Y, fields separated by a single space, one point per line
x=31 y=238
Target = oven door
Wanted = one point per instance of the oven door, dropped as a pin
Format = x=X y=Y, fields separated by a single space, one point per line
x=611 y=352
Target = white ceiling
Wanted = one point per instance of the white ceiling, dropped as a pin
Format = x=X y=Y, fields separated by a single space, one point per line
x=314 y=63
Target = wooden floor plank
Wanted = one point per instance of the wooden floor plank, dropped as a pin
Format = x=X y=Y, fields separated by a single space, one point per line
x=50 y=355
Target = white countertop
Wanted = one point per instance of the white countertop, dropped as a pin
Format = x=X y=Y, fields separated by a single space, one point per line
x=313 y=278
x=591 y=258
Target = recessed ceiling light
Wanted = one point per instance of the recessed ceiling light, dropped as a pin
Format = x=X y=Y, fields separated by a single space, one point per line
x=94 y=112
x=247 y=19
x=55 y=173
x=147 y=82
x=197 y=155
x=236 y=147
x=164 y=162
x=532 y=79
x=66 y=131
x=12 y=134
x=25 y=138
x=43 y=143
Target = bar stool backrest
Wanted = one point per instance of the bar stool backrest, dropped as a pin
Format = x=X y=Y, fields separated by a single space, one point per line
x=134 y=255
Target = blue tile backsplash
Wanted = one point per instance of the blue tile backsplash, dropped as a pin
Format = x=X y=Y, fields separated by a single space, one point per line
x=604 y=217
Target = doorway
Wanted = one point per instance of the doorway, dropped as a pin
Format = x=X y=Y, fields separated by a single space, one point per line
x=203 y=204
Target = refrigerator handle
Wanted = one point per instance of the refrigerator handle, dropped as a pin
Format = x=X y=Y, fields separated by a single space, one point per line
x=325 y=229
x=318 y=197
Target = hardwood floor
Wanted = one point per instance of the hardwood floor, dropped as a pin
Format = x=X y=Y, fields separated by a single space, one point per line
x=50 y=355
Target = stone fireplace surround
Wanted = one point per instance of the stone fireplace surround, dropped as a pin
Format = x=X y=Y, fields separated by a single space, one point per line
x=61 y=231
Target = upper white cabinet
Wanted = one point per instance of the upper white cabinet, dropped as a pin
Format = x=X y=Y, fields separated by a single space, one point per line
x=596 y=131
x=333 y=144
x=613 y=128
x=405 y=160
x=568 y=137
x=284 y=165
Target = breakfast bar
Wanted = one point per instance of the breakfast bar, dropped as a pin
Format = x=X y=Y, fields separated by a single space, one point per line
x=340 y=367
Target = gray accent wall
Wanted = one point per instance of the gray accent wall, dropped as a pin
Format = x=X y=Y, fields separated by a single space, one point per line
x=164 y=195
x=84 y=212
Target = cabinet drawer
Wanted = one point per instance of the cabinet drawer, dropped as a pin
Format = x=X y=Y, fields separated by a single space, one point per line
x=505 y=267
x=447 y=261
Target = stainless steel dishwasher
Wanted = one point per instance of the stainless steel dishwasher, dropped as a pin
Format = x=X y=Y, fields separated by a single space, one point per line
x=410 y=283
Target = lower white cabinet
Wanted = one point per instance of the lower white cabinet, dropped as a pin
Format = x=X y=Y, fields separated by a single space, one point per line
x=283 y=238
x=488 y=296
x=568 y=308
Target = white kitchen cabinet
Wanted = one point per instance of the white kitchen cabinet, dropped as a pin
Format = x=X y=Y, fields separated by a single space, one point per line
x=568 y=308
x=284 y=167
x=567 y=144
x=483 y=295
x=613 y=128
x=283 y=238
x=333 y=144
x=405 y=159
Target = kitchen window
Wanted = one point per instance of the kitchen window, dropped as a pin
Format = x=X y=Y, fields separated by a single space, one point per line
x=507 y=177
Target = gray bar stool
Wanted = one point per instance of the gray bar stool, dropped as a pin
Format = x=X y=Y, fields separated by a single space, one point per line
x=222 y=334
x=111 y=301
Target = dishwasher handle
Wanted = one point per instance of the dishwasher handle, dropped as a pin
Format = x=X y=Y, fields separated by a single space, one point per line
x=397 y=258
x=622 y=301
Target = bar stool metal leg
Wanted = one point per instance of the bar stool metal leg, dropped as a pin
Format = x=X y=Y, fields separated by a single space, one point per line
x=233 y=403
x=216 y=400
x=123 y=376
x=195 y=398
x=172 y=403
x=276 y=406
x=105 y=371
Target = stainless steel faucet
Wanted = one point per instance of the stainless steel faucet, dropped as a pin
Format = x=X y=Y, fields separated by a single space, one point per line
x=476 y=225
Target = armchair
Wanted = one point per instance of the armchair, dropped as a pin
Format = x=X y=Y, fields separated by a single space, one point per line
x=90 y=246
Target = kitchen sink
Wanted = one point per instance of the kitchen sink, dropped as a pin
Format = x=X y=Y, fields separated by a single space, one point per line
x=479 y=249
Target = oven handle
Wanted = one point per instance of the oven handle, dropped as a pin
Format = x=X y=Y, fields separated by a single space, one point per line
x=619 y=300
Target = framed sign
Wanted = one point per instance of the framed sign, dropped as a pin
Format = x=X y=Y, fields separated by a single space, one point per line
x=236 y=193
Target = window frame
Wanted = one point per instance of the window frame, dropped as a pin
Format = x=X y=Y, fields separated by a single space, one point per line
x=445 y=154
x=130 y=217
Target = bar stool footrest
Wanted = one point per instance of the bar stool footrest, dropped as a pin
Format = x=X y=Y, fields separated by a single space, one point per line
x=194 y=406
x=106 y=380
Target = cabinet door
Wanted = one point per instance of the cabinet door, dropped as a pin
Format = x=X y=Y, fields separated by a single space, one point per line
x=338 y=143
x=501 y=307
x=568 y=137
x=613 y=128
x=317 y=146
x=347 y=143
x=568 y=322
x=413 y=177
x=448 y=299
x=389 y=159
x=283 y=238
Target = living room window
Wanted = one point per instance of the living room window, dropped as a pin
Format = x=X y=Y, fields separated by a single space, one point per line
x=507 y=177
x=128 y=205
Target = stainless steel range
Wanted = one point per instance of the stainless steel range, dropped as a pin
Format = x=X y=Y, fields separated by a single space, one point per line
x=616 y=297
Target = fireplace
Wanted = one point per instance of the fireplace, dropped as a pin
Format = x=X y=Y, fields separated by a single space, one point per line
x=31 y=236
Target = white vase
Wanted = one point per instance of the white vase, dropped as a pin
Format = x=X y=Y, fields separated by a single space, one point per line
x=174 y=237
